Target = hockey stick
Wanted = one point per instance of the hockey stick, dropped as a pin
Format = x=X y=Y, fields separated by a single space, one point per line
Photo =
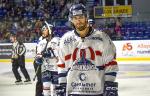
x=37 y=70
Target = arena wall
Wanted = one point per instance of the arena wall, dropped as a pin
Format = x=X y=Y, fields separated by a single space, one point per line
x=129 y=51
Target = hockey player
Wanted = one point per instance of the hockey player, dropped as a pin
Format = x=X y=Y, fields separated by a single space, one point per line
x=87 y=65
x=47 y=53
x=18 y=60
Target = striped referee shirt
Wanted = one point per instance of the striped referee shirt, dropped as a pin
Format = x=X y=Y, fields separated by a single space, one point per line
x=18 y=49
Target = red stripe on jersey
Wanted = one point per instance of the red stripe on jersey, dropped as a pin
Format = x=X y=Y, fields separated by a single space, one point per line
x=61 y=65
x=82 y=52
x=99 y=53
x=111 y=63
x=67 y=57
x=92 y=53
x=75 y=54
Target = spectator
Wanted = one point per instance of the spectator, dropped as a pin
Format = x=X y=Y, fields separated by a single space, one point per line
x=118 y=25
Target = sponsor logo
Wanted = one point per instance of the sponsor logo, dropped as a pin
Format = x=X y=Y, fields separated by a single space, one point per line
x=69 y=40
x=127 y=47
x=111 y=88
x=144 y=46
x=83 y=86
x=127 y=50
x=82 y=76
x=143 y=52
x=77 y=12
x=96 y=38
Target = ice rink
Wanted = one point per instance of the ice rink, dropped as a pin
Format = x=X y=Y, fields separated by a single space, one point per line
x=133 y=81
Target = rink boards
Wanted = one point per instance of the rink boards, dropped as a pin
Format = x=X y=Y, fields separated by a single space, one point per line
x=129 y=51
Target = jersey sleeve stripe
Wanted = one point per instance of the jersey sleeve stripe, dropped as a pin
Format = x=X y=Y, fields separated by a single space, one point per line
x=67 y=57
x=111 y=73
x=62 y=74
x=111 y=63
x=98 y=53
x=100 y=67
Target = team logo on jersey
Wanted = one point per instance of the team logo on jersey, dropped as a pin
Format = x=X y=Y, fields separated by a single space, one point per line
x=83 y=64
x=81 y=71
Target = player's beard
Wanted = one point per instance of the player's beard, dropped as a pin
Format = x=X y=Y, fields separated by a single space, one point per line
x=81 y=27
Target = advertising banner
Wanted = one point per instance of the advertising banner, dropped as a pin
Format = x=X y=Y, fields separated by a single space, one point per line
x=6 y=50
x=129 y=51
x=133 y=50
x=112 y=11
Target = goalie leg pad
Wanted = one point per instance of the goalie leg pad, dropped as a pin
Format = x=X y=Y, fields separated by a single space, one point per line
x=110 y=88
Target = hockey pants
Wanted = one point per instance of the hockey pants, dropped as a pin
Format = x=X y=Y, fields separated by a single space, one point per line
x=50 y=80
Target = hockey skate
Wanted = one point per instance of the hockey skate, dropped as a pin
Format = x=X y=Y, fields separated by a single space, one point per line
x=18 y=82
x=27 y=81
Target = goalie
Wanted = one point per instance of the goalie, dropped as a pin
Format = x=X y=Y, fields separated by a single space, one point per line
x=87 y=65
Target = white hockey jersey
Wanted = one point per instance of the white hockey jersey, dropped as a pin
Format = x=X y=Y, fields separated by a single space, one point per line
x=86 y=64
x=41 y=45
x=38 y=44
x=49 y=63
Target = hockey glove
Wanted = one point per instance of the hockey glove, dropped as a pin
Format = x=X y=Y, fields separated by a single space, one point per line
x=47 y=53
x=39 y=60
x=110 y=88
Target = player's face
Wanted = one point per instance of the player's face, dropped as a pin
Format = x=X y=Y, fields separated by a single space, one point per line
x=12 y=38
x=45 y=32
x=80 y=22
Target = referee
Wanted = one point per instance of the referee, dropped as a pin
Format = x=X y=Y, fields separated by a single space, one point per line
x=18 y=59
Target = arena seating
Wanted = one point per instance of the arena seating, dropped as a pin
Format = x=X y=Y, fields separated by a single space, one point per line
x=30 y=12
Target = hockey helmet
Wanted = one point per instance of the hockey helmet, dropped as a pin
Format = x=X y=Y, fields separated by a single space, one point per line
x=47 y=26
x=91 y=21
x=77 y=9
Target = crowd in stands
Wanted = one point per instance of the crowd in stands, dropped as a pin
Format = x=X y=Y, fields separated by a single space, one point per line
x=25 y=18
